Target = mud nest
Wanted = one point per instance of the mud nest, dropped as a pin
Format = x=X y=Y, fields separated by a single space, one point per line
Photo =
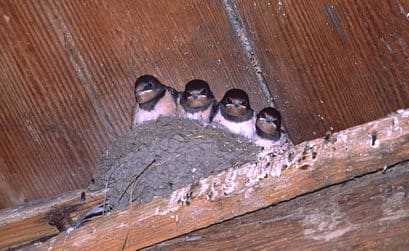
x=161 y=156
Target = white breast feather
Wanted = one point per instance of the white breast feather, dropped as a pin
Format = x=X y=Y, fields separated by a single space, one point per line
x=246 y=128
x=165 y=107
x=203 y=115
x=268 y=144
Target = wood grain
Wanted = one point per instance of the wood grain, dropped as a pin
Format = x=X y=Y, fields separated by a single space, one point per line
x=312 y=166
x=67 y=70
x=331 y=64
x=368 y=213
x=42 y=219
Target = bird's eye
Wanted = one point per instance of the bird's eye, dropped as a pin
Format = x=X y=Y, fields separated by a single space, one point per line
x=229 y=100
x=263 y=115
x=203 y=92
x=148 y=86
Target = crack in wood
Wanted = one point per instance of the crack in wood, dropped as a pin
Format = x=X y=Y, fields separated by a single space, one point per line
x=246 y=44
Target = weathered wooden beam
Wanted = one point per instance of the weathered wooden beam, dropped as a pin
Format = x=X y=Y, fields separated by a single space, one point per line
x=42 y=219
x=367 y=213
x=312 y=165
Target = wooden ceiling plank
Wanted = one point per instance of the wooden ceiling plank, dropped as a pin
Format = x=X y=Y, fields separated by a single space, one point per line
x=331 y=65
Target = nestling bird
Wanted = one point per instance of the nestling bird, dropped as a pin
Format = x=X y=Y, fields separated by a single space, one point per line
x=235 y=113
x=197 y=101
x=153 y=100
x=267 y=127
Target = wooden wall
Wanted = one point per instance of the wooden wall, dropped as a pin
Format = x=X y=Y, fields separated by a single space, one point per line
x=67 y=70
x=332 y=63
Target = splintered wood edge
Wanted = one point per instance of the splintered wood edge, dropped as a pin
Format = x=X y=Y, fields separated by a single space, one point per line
x=311 y=165
x=28 y=222
x=30 y=209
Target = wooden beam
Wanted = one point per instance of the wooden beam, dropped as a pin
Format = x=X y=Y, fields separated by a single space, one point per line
x=367 y=213
x=42 y=219
x=311 y=165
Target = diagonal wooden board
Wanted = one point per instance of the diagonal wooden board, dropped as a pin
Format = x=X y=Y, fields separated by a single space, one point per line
x=312 y=165
x=366 y=213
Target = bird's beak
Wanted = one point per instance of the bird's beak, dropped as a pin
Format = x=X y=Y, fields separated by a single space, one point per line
x=143 y=96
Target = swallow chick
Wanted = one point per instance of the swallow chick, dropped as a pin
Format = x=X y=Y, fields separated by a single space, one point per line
x=234 y=113
x=153 y=100
x=267 y=127
x=197 y=101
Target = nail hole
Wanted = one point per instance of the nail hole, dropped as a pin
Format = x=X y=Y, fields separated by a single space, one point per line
x=327 y=135
x=290 y=157
x=373 y=137
x=304 y=167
